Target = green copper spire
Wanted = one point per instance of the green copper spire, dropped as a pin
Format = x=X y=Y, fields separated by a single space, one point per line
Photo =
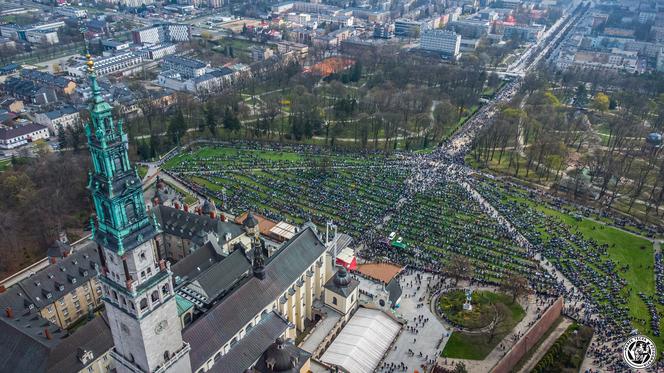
x=116 y=190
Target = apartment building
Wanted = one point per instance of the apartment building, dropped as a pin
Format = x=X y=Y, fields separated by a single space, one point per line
x=443 y=41
x=63 y=292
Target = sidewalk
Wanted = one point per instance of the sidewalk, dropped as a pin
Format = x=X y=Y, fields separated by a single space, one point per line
x=546 y=344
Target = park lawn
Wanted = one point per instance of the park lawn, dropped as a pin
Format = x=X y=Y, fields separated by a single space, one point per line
x=142 y=171
x=467 y=346
x=222 y=151
x=477 y=346
x=624 y=249
x=5 y=164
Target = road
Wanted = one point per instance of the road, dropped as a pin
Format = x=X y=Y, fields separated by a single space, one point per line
x=447 y=161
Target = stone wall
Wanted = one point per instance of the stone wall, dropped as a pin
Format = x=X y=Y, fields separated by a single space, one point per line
x=532 y=336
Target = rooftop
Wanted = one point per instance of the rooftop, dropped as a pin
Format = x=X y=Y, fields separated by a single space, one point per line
x=383 y=272
x=363 y=341
x=216 y=327
x=21 y=130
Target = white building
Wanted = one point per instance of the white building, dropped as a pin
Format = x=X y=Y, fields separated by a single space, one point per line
x=70 y=11
x=443 y=41
x=123 y=62
x=613 y=60
x=59 y=119
x=46 y=37
x=13 y=137
x=148 y=35
x=176 y=32
x=167 y=32
x=157 y=52
x=186 y=67
x=136 y=3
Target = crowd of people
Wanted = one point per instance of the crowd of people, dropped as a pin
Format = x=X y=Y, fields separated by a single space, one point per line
x=602 y=298
x=431 y=200
x=444 y=221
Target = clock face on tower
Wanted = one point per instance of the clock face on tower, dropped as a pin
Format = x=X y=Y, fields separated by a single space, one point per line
x=163 y=324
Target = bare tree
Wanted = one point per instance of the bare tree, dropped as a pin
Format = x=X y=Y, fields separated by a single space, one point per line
x=458 y=267
x=515 y=285
x=499 y=319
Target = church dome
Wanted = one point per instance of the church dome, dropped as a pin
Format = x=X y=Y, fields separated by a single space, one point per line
x=250 y=221
x=277 y=358
x=341 y=279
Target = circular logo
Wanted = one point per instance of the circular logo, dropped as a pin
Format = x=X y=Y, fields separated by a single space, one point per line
x=639 y=352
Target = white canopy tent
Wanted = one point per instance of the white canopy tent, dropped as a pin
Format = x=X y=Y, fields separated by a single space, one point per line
x=363 y=341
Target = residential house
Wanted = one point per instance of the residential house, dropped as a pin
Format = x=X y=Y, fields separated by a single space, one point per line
x=59 y=119
x=19 y=135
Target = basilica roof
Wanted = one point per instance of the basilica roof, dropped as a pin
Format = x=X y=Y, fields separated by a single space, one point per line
x=217 y=326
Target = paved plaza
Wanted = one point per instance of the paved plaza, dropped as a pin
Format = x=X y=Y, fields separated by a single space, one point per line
x=427 y=338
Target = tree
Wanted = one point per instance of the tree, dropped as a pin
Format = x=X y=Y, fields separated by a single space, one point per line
x=601 y=102
x=155 y=144
x=211 y=120
x=177 y=127
x=515 y=285
x=499 y=318
x=460 y=368
x=63 y=141
x=444 y=116
x=581 y=95
x=75 y=134
x=356 y=72
x=458 y=267
x=143 y=150
x=231 y=122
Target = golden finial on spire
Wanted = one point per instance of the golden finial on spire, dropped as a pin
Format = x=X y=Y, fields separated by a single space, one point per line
x=90 y=63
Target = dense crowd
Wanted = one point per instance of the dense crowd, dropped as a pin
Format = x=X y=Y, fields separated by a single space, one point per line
x=659 y=277
x=429 y=201
x=603 y=299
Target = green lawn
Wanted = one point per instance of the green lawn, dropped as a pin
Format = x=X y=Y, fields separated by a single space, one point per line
x=233 y=154
x=478 y=346
x=5 y=165
x=625 y=249
x=142 y=171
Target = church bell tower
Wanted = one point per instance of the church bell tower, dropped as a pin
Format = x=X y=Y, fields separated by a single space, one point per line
x=137 y=287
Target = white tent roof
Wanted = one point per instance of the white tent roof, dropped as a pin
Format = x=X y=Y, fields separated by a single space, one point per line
x=346 y=255
x=363 y=341
x=284 y=230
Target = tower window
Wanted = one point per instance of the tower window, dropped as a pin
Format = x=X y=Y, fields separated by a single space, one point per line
x=117 y=163
x=106 y=212
x=334 y=300
x=131 y=212
x=155 y=296
x=144 y=303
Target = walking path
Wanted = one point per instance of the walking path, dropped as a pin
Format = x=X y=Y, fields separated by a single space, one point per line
x=427 y=336
x=545 y=345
